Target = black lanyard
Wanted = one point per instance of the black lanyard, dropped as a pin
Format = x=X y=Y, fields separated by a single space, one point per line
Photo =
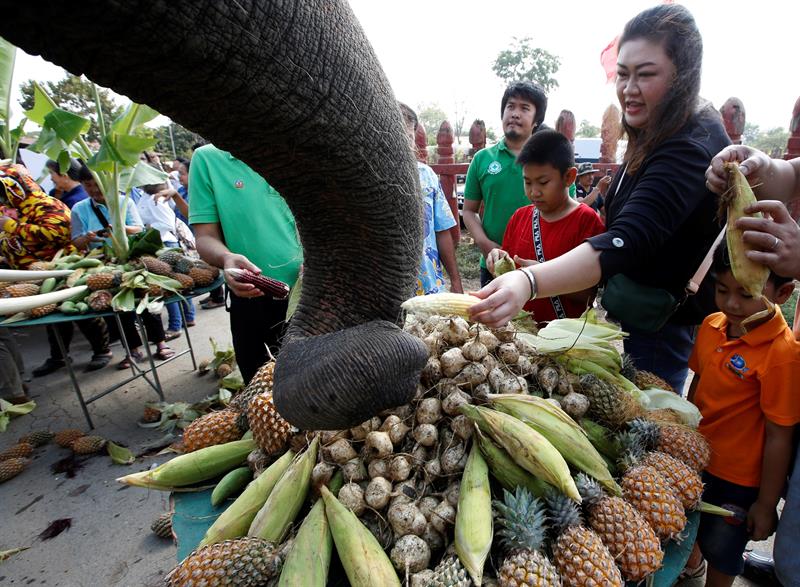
x=537 y=245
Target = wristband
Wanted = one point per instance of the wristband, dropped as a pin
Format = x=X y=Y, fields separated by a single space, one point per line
x=532 y=282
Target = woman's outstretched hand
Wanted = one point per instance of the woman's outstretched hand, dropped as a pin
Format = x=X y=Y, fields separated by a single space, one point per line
x=751 y=163
x=502 y=299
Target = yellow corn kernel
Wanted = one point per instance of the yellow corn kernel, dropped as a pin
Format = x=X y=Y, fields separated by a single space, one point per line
x=473 y=529
x=441 y=304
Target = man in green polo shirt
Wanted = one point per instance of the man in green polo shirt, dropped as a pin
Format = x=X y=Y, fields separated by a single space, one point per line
x=494 y=178
x=241 y=221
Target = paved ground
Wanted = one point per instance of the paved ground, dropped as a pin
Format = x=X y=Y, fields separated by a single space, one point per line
x=110 y=542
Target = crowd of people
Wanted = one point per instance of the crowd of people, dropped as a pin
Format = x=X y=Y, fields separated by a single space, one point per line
x=642 y=236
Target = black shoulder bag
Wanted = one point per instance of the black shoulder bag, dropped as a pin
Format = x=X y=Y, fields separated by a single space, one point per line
x=537 y=246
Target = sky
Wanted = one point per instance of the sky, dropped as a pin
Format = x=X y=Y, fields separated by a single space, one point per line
x=441 y=52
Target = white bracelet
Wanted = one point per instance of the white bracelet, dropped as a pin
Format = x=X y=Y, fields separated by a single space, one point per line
x=532 y=282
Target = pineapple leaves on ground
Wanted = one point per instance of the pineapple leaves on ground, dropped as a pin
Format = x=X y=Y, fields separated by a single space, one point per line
x=119 y=454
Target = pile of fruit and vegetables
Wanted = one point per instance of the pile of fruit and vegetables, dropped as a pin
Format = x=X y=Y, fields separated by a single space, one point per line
x=523 y=460
x=77 y=284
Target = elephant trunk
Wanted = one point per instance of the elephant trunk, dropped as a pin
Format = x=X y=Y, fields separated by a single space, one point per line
x=294 y=90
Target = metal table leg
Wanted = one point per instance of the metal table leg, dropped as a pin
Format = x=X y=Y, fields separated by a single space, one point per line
x=72 y=376
x=153 y=369
x=186 y=332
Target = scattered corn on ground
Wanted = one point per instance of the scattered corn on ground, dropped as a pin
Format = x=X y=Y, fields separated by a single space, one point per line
x=407 y=495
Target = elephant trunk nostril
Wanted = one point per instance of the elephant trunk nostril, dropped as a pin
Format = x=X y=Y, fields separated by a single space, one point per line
x=338 y=380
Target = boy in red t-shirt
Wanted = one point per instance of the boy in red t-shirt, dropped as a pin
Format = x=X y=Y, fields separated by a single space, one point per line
x=745 y=386
x=553 y=224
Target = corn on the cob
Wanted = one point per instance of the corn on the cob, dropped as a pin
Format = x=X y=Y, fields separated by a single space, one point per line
x=308 y=562
x=287 y=497
x=751 y=276
x=235 y=521
x=473 y=529
x=193 y=467
x=562 y=431
x=273 y=287
x=529 y=449
x=363 y=558
x=442 y=304
x=505 y=470
x=26 y=303
x=231 y=483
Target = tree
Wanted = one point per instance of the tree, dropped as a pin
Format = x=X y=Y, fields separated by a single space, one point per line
x=772 y=142
x=75 y=94
x=588 y=130
x=431 y=117
x=524 y=62
x=184 y=140
x=751 y=132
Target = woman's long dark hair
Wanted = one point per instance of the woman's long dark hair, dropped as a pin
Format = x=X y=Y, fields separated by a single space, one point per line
x=674 y=27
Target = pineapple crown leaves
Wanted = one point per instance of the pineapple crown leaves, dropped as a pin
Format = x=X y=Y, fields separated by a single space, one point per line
x=522 y=520
x=590 y=490
x=634 y=446
x=648 y=432
x=564 y=512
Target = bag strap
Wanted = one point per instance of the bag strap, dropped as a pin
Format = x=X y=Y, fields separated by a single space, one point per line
x=100 y=217
x=537 y=245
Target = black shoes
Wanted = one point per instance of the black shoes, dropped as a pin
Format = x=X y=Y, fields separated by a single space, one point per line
x=51 y=365
x=760 y=568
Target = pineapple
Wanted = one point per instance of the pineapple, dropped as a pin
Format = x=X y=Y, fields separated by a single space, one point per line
x=648 y=380
x=100 y=300
x=154 y=290
x=87 y=445
x=43 y=310
x=153 y=265
x=244 y=562
x=212 y=429
x=170 y=257
x=681 y=442
x=609 y=404
x=522 y=529
x=41 y=266
x=104 y=280
x=18 y=290
x=628 y=369
x=18 y=451
x=684 y=480
x=626 y=534
x=579 y=554
x=270 y=430
x=151 y=414
x=185 y=281
x=260 y=383
x=183 y=265
x=450 y=573
x=38 y=438
x=65 y=438
x=10 y=468
x=162 y=526
x=201 y=276
x=650 y=493
x=664 y=415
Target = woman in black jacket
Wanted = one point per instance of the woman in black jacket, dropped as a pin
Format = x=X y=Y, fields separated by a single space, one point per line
x=660 y=217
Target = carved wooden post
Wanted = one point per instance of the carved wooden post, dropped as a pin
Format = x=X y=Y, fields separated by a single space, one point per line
x=477 y=137
x=444 y=148
x=565 y=124
x=733 y=117
x=610 y=132
x=793 y=144
x=421 y=142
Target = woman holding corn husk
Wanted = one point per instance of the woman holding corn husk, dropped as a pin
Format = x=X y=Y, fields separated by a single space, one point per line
x=660 y=215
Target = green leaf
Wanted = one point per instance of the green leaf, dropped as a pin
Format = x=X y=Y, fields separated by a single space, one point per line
x=42 y=105
x=4 y=420
x=8 y=54
x=67 y=126
x=133 y=117
x=130 y=147
x=143 y=304
x=63 y=162
x=105 y=158
x=119 y=454
x=17 y=409
x=124 y=301
x=294 y=297
x=146 y=242
x=140 y=175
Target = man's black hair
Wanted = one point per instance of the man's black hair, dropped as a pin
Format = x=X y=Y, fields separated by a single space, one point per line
x=84 y=174
x=530 y=92
x=721 y=263
x=548 y=147
x=183 y=161
x=73 y=171
x=198 y=144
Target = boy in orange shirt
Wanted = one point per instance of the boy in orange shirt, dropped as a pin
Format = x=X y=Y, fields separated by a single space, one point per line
x=745 y=387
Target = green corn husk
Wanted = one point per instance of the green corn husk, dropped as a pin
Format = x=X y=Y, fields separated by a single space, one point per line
x=231 y=483
x=235 y=521
x=506 y=471
x=193 y=467
x=309 y=560
x=529 y=449
x=709 y=508
x=473 y=529
x=562 y=431
x=284 y=502
x=363 y=558
x=602 y=439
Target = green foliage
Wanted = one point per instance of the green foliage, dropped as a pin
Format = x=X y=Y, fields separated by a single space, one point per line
x=588 y=130
x=431 y=116
x=525 y=62
x=75 y=94
x=772 y=142
x=9 y=137
x=468 y=259
x=788 y=308
x=182 y=137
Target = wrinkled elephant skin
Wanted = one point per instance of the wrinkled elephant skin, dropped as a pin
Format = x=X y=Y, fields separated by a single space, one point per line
x=294 y=90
